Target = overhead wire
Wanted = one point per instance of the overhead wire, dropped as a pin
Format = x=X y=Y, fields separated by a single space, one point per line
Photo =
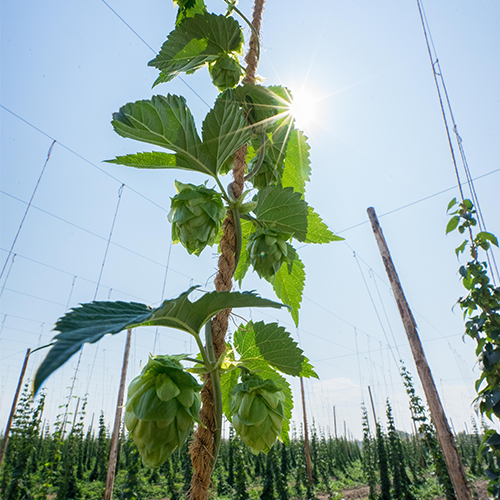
x=151 y=48
x=59 y=143
x=27 y=208
x=438 y=76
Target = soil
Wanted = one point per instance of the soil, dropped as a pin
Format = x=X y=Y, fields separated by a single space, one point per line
x=361 y=492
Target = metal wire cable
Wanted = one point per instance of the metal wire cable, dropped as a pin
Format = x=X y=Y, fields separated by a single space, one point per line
x=438 y=76
x=151 y=48
x=28 y=207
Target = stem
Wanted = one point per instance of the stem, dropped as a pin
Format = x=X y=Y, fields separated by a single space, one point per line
x=193 y=360
x=232 y=7
x=217 y=392
x=206 y=360
x=223 y=191
x=254 y=171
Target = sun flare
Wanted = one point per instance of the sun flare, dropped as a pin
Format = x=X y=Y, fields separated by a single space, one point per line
x=304 y=108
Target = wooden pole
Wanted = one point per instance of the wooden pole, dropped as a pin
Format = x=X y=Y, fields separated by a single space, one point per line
x=444 y=436
x=373 y=406
x=113 y=453
x=13 y=409
x=306 y=435
x=335 y=421
x=75 y=415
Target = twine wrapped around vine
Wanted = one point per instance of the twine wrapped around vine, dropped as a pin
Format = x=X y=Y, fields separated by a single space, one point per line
x=201 y=449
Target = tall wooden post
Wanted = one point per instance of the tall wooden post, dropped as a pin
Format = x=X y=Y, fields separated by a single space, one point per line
x=335 y=422
x=306 y=435
x=110 y=478
x=13 y=409
x=373 y=406
x=444 y=436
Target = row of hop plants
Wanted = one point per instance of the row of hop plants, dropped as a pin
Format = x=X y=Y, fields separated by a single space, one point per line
x=400 y=466
x=71 y=461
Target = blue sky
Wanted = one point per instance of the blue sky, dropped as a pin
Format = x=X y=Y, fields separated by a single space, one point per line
x=377 y=140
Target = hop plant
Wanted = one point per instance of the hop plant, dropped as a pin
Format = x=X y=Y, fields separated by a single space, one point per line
x=196 y=215
x=267 y=251
x=225 y=72
x=268 y=173
x=163 y=402
x=257 y=412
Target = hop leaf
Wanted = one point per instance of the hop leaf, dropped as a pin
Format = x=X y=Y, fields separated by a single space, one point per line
x=163 y=402
x=196 y=215
x=257 y=412
x=267 y=251
x=225 y=72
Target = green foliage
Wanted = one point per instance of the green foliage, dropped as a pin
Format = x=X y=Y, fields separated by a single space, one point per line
x=288 y=284
x=90 y=322
x=369 y=458
x=17 y=481
x=385 y=482
x=196 y=215
x=481 y=311
x=283 y=210
x=317 y=230
x=268 y=489
x=195 y=42
x=162 y=404
x=400 y=480
x=426 y=428
x=249 y=120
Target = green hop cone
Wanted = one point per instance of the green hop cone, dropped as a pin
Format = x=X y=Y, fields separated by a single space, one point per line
x=268 y=174
x=196 y=215
x=225 y=72
x=163 y=402
x=257 y=412
x=267 y=251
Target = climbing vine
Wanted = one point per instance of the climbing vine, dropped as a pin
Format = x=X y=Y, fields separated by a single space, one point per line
x=481 y=311
x=255 y=220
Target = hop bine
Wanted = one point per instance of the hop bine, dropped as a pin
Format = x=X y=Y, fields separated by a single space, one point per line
x=257 y=412
x=163 y=402
x=196 y=215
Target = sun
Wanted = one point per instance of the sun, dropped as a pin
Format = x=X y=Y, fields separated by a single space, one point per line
x=304 y=108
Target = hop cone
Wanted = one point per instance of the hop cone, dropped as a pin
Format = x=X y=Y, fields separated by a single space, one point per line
x=225 y=72
x=268 y=173
x=196 y=215
x=267 y=251
x=162 y=403
x=257 y=412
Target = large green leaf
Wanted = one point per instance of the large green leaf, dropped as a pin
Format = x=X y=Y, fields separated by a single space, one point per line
x=317 y=230
x=225 y=130
x=166 y=122
x=190 y=316
x=189 y=8
x=153 y=159
x=244 y=341
x=90 y=322
x=282 y=209
x=277 y=145
x=228 y=381
x=288 y=284
x=196 y=41
x=247 y=228
x=297 y=164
